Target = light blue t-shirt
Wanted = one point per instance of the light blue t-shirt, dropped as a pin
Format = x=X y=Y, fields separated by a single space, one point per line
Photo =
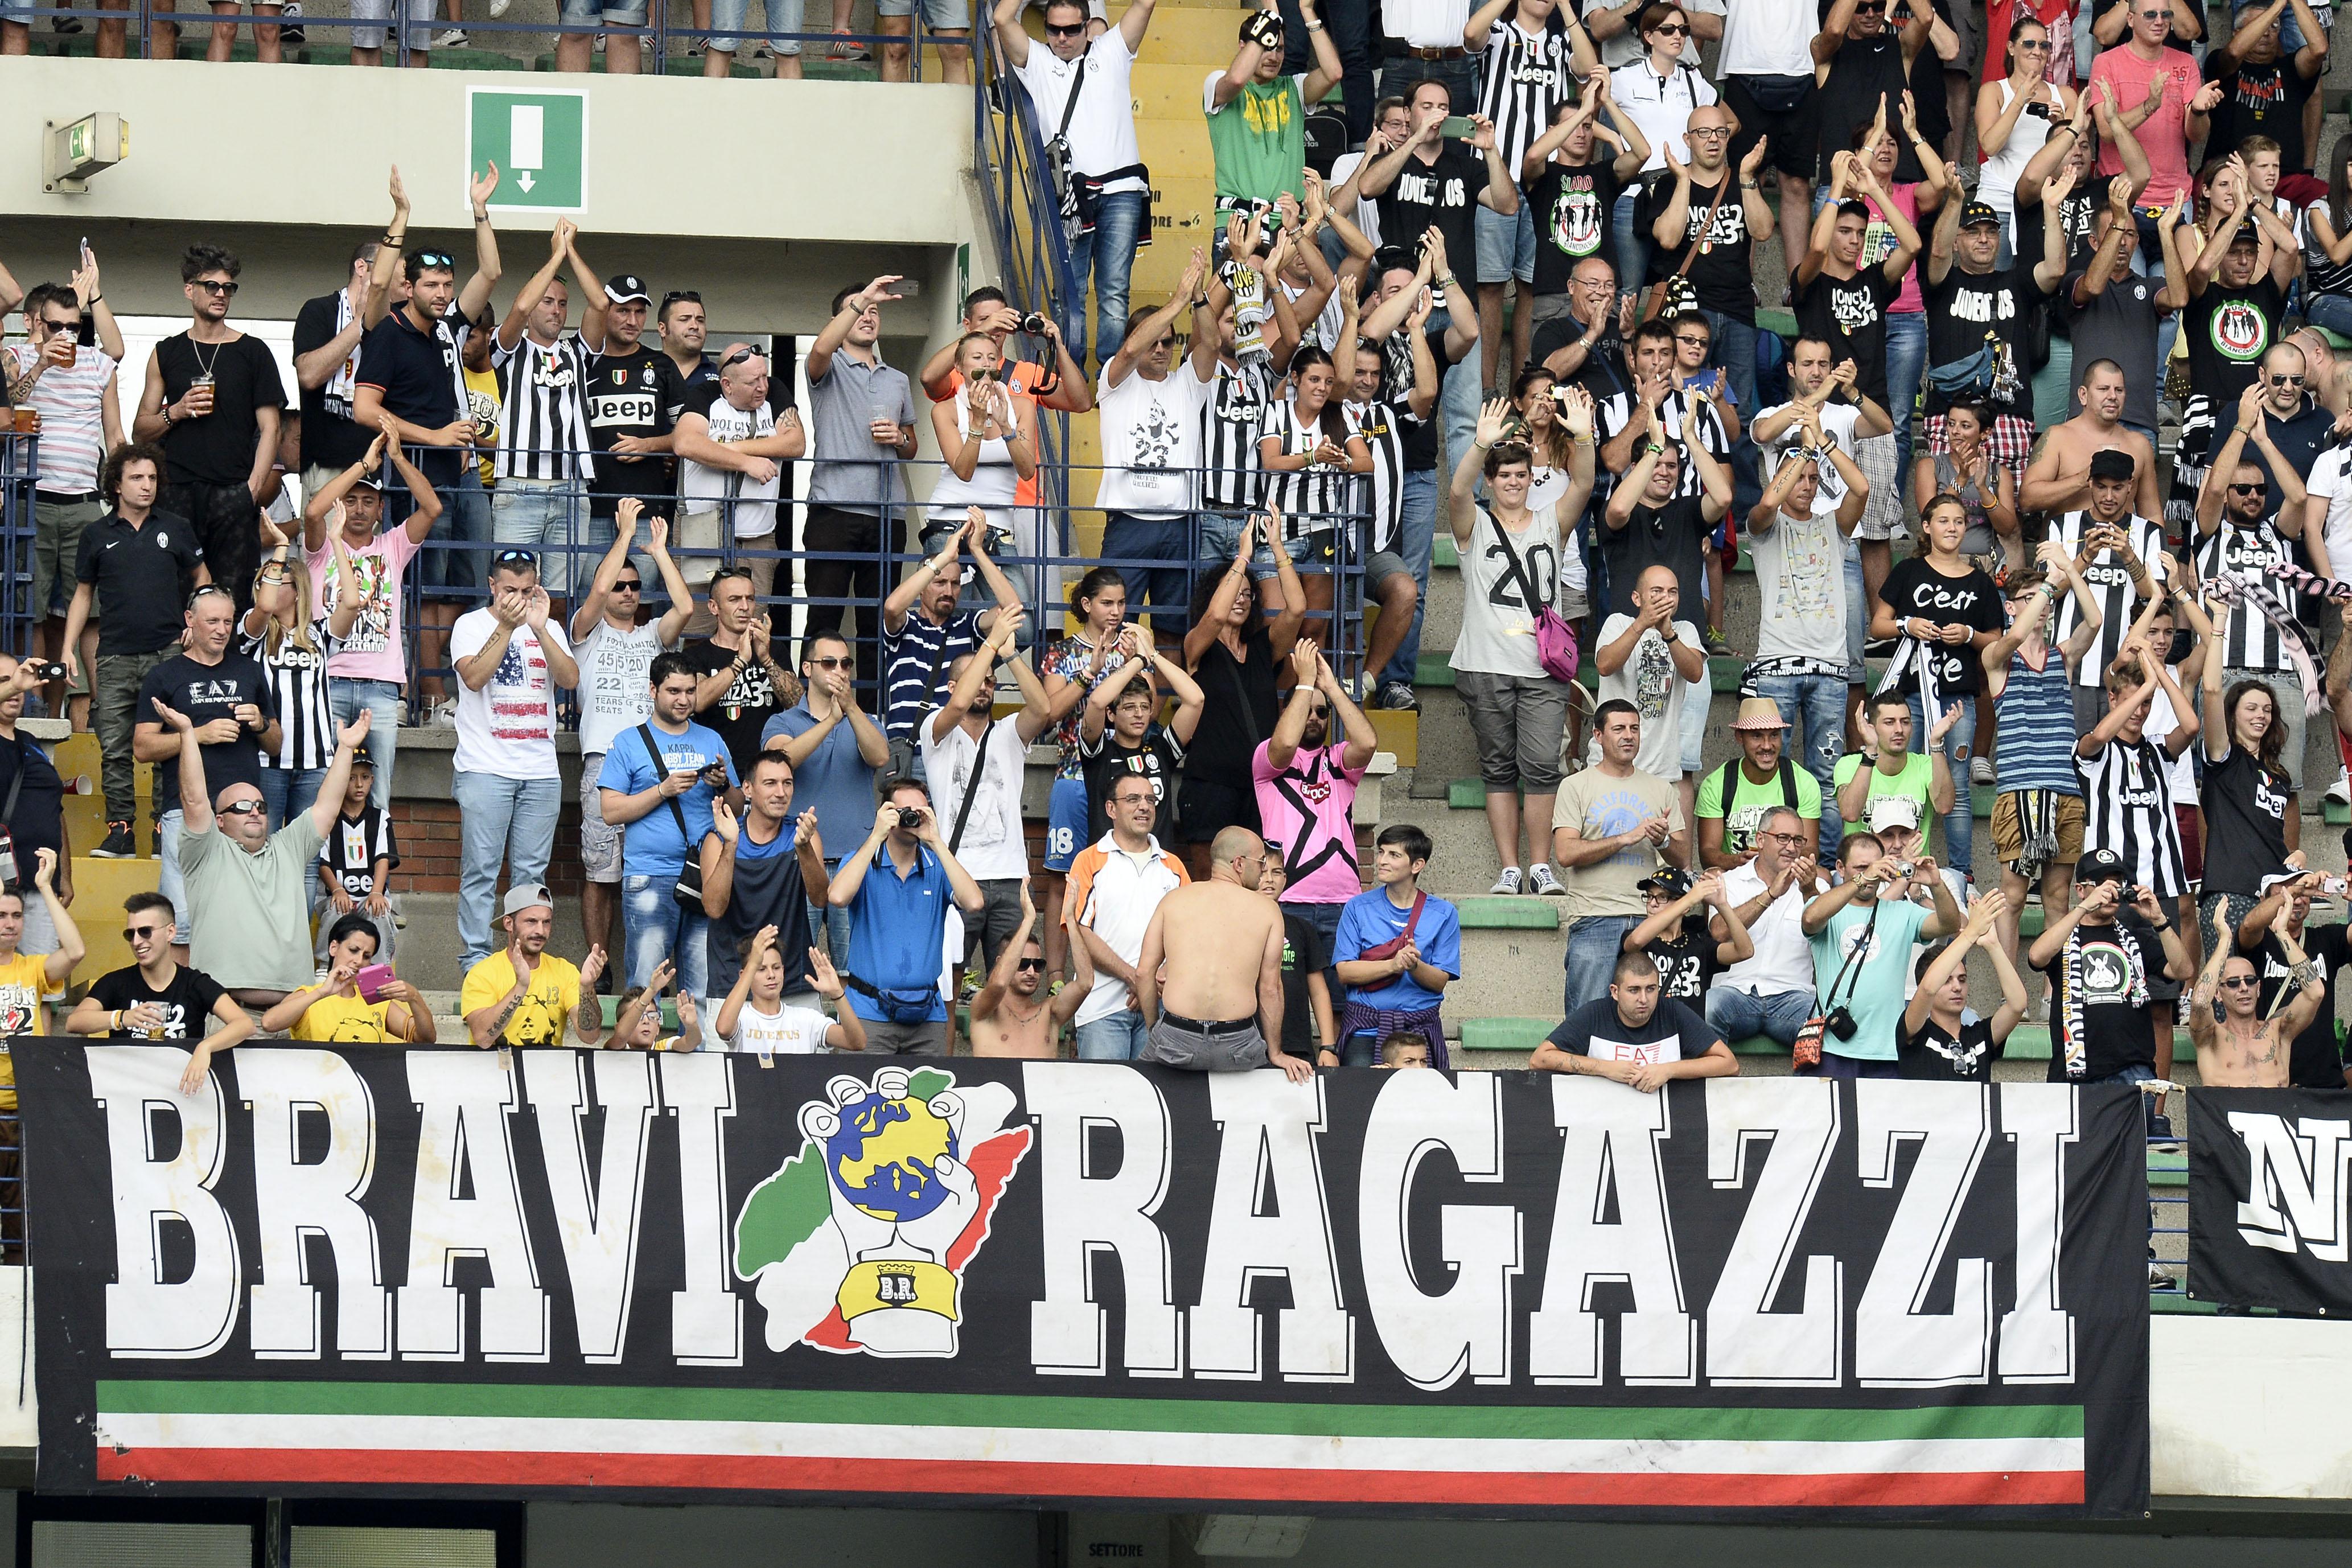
x=833 y=778
x=1876 y=979
x=652 y=845
x=1370 y=918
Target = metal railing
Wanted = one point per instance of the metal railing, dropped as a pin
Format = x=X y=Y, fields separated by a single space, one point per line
x=20 y=456
x=403 y=38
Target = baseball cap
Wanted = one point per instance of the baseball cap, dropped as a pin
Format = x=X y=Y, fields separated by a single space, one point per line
x=2111 y=463
x=367 y=482
x=1977 y=213
x=628 y=285
x=1893 y=811
x=1668 y=880
x=530 y=896
x=2098 y=866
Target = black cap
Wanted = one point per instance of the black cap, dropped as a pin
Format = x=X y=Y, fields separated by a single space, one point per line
x=2098 y=866
x=628 y=285
x=367 y=482
x=1977 y=213
x=2112 y=462
x=1668 y=880
x=2249 y=233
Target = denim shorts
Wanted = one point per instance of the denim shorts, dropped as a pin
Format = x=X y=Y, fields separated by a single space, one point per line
x=937 y=13
x=728 y=16
x=620 y=16
x=1507 y=246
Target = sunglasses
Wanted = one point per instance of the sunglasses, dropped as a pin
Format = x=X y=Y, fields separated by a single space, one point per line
x=674 y=294
x=2287 y=381
x=1038 y=964
x=68 y=325
x=1672 y=29
x=1692 y=342
x=209 y=286
x=435 y=260
x=832 y=661
x=1054 y=32
x=143 y=933
x=243 y=808
x=2249 y=489
x=2241 y=982
x=629 y=585
x=728 y=573
x=514 y=557
x=740 y=356
x=1871 y=5
x=208 y=589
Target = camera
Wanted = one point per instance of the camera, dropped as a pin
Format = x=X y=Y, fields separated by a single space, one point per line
x=1840 y=1023
x=715 y=775
x=49 y=669
x=1034 y=324
x=911 y=819
x=1902 y=868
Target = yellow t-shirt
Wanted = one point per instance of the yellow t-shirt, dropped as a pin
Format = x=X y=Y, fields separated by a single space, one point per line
x=346 y=1021
x=482 y=407
x=24 y=984
x=542 y=1016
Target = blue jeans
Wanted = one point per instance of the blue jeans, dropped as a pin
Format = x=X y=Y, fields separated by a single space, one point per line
x=1960 y=821
x=834 y=923
x=1458 y=387
x=506 y=823
x=464 y=521
x=1857 y=621
x=2332 y=311
x=1906 y=365
x=1119 y=1037
x=1350 y=25
x=1128 y=537
x=1108 y=252
x=1734 y=349
x=552 y=520
x=1417 y=544
x=1632 y=247
x=655 y=926
x=1593 y=943
x=1397 y=77
x=290 y=791
x=385 y=708
x=1325 y=918
x=1742 y=1015
x=1814 y=707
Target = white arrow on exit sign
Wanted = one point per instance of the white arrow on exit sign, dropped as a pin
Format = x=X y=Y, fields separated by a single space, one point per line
x=527 y=142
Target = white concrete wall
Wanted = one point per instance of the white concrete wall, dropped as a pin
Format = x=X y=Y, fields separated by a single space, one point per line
x=2251 y=1407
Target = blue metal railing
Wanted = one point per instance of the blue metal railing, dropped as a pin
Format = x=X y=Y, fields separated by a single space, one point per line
x=19 y=461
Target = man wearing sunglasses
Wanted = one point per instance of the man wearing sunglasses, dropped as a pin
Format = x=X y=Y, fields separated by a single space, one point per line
x=2246 y=1046
x=1012 y=1016
x=155 y=997
x=2242 y=530
x=249 y=890
x=2165 y=121
x=213 y=400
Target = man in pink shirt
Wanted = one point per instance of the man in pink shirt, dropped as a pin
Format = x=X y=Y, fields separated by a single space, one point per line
x=1307 y=794
x=2158 y=98
x=369 y=669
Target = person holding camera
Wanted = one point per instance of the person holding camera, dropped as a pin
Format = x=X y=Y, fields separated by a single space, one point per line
x=2110 y=958
x=1862 y=930
x=897 y=886
x=657 y=783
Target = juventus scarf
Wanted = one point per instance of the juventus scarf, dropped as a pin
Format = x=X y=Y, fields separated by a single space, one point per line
x=2259 y=595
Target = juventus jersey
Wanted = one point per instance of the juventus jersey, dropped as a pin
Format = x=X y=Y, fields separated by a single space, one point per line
x=2128 y=789
x=1231 y=419
x=1382 y=425
x=1522 y=79
x=2249 y=642
x=2110 y=584
x=544 y=389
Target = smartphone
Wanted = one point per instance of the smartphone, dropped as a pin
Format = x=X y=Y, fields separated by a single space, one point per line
x=372 y=981
x=1457 y=126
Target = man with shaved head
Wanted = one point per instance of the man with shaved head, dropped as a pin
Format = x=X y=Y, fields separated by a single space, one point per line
x=1218 y=1005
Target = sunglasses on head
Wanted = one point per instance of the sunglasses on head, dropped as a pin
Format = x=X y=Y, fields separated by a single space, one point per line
x=436 y=260
x=740 y=356
x=514 y=558
x=207 y=589
x=674 y=294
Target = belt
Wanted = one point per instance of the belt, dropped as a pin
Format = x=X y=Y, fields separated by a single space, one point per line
x=1197 y=1026
x=62 y=499
x=1418 y=52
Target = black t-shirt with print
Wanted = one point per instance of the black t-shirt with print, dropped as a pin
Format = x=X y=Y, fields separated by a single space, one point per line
x=204 y=693
x=1689 y=964
x=2229 y=330
x=1304 y=953
x=631 y=394
x=1160 y=759
x=1720 y=273
x=2260 y=100
x=1850 y=313
x=188 y=1002
x=2316 y=1057
x=2110 y=981
x=743 y=709
x=1674 y=1032
x=1445 y=193
x=1673 y=536
x=2245 y=824
x=1967 y=311
x=1934 y=1054
x=1571 y=204
x=1972 y=599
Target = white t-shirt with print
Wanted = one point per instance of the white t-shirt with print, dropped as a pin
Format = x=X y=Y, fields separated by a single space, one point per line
x=1150 y=441
x=613 y=692
x=994 y=847
x=508 y=727
x=789 y=1031
x=1649 y=679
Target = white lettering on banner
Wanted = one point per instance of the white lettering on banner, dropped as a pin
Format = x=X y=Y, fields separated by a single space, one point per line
x=2037 y=1334
x=598 y=1225
x=2295 y=1184
x=1433 y=1339
x=1746 y=1342
x=1611 y=1145
x=706 y=1317
x=1268 y=1149
x=1897 y=1344
x=299 y=1199
x=463 y=1142
x=146 y=1316
x=1084 y=1213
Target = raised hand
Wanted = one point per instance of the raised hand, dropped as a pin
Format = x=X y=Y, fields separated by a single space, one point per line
x=722 y=818
x=479 y=192
x=1493 y=420
x=350 y=736
x=591 y=966
x=1755 y=158
x=1576 y=411
x=875 y=293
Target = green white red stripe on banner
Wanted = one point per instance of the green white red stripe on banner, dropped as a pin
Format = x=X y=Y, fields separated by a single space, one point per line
x=506 y=1435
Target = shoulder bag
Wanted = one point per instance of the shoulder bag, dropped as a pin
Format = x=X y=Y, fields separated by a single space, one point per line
x=1556 y=648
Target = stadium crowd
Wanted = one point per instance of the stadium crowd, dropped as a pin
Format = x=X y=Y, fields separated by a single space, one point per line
x=2090 y=378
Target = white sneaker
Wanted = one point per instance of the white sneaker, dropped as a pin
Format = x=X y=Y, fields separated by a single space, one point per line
x=449 y=38
x=1506 y=883
x=1541 y=880
x=499 y=8
x=444 y=715
x=1980 y=770
x=2341 y=791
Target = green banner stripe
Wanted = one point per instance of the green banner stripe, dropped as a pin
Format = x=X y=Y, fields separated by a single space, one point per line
x=1750 y=1424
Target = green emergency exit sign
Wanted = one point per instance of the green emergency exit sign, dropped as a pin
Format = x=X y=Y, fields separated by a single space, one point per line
x=539 y=143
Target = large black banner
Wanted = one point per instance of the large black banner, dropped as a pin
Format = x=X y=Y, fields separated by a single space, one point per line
x=615 y=1274
x=2267 y=1198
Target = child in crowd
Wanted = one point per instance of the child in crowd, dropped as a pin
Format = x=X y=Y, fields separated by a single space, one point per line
x=1940 y=1039
x=1404 y=1050
x=1397 y=950
x=637 y=1024
x=355 y=863
x=754 y=1017
x=1688 y=955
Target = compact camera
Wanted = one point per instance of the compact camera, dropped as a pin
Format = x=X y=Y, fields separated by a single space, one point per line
x=1840 y=1023
x=911 y=819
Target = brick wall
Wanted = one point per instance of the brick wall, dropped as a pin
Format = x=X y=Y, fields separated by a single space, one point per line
x=427 y=831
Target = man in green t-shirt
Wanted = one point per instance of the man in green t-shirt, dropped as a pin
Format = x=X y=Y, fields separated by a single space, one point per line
x=1758 y=780
x=1887 y=766
x=1258 y=116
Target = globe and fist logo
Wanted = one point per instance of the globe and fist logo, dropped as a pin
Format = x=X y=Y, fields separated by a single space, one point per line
x=858 y=1243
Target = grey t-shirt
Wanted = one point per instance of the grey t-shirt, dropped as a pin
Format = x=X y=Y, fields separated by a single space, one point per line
x=249 y=914
x=843 y=407
x=2119 y=324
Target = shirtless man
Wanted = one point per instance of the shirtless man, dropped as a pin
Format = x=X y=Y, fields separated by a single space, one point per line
x=1009 y=1018
x=2058 y=476
x=2240 y=1050
x=1221 y=943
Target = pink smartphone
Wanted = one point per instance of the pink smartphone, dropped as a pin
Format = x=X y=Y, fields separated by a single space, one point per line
x=372 y=981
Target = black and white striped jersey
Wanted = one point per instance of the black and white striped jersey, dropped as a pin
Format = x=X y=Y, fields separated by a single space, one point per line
x=544 y=389
x=2249 y=642
x=2127 y=793
x=1231 y=419
x=2110 y=584
x=1522 y=79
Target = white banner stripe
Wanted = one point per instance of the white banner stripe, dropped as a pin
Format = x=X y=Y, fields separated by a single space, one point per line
x=1083 y=1445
